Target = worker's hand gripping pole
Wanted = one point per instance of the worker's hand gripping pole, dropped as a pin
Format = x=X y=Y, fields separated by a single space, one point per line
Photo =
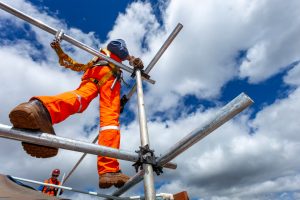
x=125 y=98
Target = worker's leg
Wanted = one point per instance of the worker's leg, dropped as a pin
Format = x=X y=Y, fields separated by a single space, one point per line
x=63 y=105
x=109 y=135
x=42 y=111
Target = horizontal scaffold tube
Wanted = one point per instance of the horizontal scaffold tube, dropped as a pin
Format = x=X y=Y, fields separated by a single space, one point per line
x=69 y=144
x=68 y=188
x=234 y=107
x=230 y=110
x=65 y=37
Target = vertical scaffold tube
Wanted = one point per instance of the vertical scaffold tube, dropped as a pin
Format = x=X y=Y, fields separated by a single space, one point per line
x=148 y=176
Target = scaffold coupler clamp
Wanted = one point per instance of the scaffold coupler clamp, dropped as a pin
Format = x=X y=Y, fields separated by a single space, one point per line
x=146 y=156
x=58 y=36
x=146 y=76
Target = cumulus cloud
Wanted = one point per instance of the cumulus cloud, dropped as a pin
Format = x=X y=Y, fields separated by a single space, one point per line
x=206 y=53
x=275 y=29
x=292 y=78
x=233 y=164
x=247 y=158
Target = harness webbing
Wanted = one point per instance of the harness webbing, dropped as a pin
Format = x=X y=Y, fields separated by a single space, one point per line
x=66 y=61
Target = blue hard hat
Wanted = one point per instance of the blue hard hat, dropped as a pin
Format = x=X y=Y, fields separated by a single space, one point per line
x=118 y=47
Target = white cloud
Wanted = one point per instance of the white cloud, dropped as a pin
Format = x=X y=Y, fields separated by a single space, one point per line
x=202 y=58
x=276 y=39
x=229 y=163
x=292 y=78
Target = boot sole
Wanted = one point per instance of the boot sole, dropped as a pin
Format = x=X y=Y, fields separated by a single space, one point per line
x=24 y=119
x=120 y=183
x=105 y=183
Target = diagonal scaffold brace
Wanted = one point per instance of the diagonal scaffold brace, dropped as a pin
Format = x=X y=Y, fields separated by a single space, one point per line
x=230 y=110
x=68 y=38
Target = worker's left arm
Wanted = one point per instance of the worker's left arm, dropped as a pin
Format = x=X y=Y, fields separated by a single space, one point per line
x=135 y=62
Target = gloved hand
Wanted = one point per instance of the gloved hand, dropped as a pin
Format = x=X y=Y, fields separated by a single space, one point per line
x=55 y=44
x=136 y=62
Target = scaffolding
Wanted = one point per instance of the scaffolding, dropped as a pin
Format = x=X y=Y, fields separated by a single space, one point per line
x=145 y=160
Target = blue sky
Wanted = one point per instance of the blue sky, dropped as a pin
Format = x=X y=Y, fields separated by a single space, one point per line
x=224 y=48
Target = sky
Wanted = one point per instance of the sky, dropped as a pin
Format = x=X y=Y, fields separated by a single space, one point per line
x=224 y=48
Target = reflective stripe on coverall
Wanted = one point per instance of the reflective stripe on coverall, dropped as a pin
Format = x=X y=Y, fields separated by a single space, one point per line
x=63 y=105
x=49 y=190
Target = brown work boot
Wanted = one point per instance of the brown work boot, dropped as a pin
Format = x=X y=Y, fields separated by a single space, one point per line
x=112 y=178
x=34 y=116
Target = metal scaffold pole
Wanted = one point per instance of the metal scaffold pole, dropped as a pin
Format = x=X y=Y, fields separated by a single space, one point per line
x=234 y=107
x=157 y=56
x=148 y=175
x=45 y=139
x=70 y=189
x=65 y=37
x=230 y=110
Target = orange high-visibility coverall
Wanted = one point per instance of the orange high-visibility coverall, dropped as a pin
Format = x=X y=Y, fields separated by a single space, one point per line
x=50 y=190
x=63 y=105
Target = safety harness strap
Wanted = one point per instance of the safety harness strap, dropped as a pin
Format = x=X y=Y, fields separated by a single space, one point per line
x=66 y=61
x=113 y=72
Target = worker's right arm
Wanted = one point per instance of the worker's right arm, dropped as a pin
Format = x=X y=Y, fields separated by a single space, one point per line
x=66 y=61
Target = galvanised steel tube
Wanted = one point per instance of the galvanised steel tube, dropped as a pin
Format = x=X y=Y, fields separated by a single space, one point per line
x=225 y=114
x=157 y=56
x=65 y=37
x=148 y=176
x=61 y=184
x=68 y=188
x=167 y=165
x=234 y=107
x=164 y=47
x=64 y=143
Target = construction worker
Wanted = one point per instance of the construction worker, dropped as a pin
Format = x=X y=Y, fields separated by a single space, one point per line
x=50 y=190
x=98 y=78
